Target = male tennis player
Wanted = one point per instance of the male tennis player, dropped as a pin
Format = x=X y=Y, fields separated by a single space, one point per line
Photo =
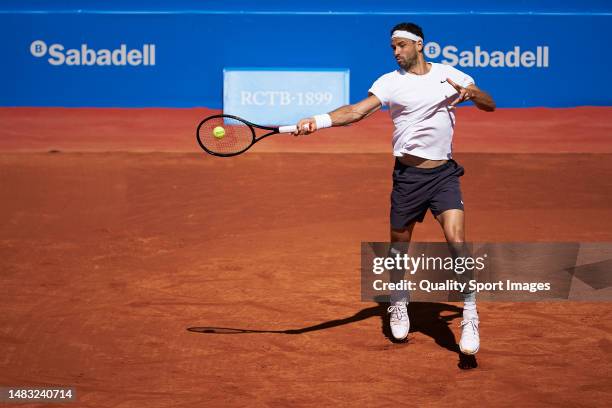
x=421 y=97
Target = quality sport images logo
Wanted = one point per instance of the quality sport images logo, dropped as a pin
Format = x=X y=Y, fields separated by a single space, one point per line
x=58 y=55
x=477 y=57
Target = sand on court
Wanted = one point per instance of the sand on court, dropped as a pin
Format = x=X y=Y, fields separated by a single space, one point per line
x=124 y=254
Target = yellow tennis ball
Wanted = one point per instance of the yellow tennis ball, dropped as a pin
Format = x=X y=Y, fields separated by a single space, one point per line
x=219 y=132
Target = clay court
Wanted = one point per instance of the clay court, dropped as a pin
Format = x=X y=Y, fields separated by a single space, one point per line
x=143 y=272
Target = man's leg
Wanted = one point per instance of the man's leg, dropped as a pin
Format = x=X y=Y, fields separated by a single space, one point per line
x=399 y=322
x=453 y=225
x=399 y=238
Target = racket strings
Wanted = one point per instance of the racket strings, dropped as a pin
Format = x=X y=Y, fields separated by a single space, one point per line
x=235 y=137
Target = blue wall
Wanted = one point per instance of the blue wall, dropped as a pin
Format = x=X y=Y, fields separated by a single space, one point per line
x=194 y=41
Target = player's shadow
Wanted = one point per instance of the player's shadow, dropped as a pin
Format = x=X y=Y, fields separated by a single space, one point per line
x=431 y=319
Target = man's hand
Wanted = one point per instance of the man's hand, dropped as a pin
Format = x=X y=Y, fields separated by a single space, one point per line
x=305 y=126
x=481 y=99
x=464 y=93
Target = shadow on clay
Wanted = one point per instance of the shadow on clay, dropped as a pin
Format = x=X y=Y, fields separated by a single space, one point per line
x=428 y=318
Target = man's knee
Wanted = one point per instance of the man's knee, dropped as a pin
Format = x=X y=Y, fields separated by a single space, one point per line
x=401 y=234
x=455 y=235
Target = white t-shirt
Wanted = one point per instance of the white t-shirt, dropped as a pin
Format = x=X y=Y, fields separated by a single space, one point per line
x=418 y=105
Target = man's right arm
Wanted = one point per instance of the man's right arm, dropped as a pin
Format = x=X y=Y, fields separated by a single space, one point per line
x=344 y=115
x=348 y=114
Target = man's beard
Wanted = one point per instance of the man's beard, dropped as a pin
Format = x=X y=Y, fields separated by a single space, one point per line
x=407 y=65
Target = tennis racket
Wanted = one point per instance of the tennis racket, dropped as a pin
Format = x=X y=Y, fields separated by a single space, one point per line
x=228 y=135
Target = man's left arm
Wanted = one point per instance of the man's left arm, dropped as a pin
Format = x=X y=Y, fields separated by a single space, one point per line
x=481 y=99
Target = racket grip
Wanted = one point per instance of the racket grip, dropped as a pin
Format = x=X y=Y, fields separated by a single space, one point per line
x=287 y=129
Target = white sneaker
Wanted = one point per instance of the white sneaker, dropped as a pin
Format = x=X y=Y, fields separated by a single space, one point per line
x=400 y=325
x=470 y=339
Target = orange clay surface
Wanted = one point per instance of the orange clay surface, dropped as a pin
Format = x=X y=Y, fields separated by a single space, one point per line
x=145 y=273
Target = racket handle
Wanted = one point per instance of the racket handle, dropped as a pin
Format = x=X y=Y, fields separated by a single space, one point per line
x=287 y=129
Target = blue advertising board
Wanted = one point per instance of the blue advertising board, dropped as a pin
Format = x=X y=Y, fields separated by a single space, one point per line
x=132 y=54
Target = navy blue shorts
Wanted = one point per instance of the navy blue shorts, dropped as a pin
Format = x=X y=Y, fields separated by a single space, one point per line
x=415 y=190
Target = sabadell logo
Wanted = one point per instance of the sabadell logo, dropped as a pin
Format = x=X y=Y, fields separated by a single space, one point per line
x=58 y=54
x=477 y=57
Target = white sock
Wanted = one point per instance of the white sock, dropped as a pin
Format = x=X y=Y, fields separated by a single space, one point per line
x=469 y=310
x=398 y=297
